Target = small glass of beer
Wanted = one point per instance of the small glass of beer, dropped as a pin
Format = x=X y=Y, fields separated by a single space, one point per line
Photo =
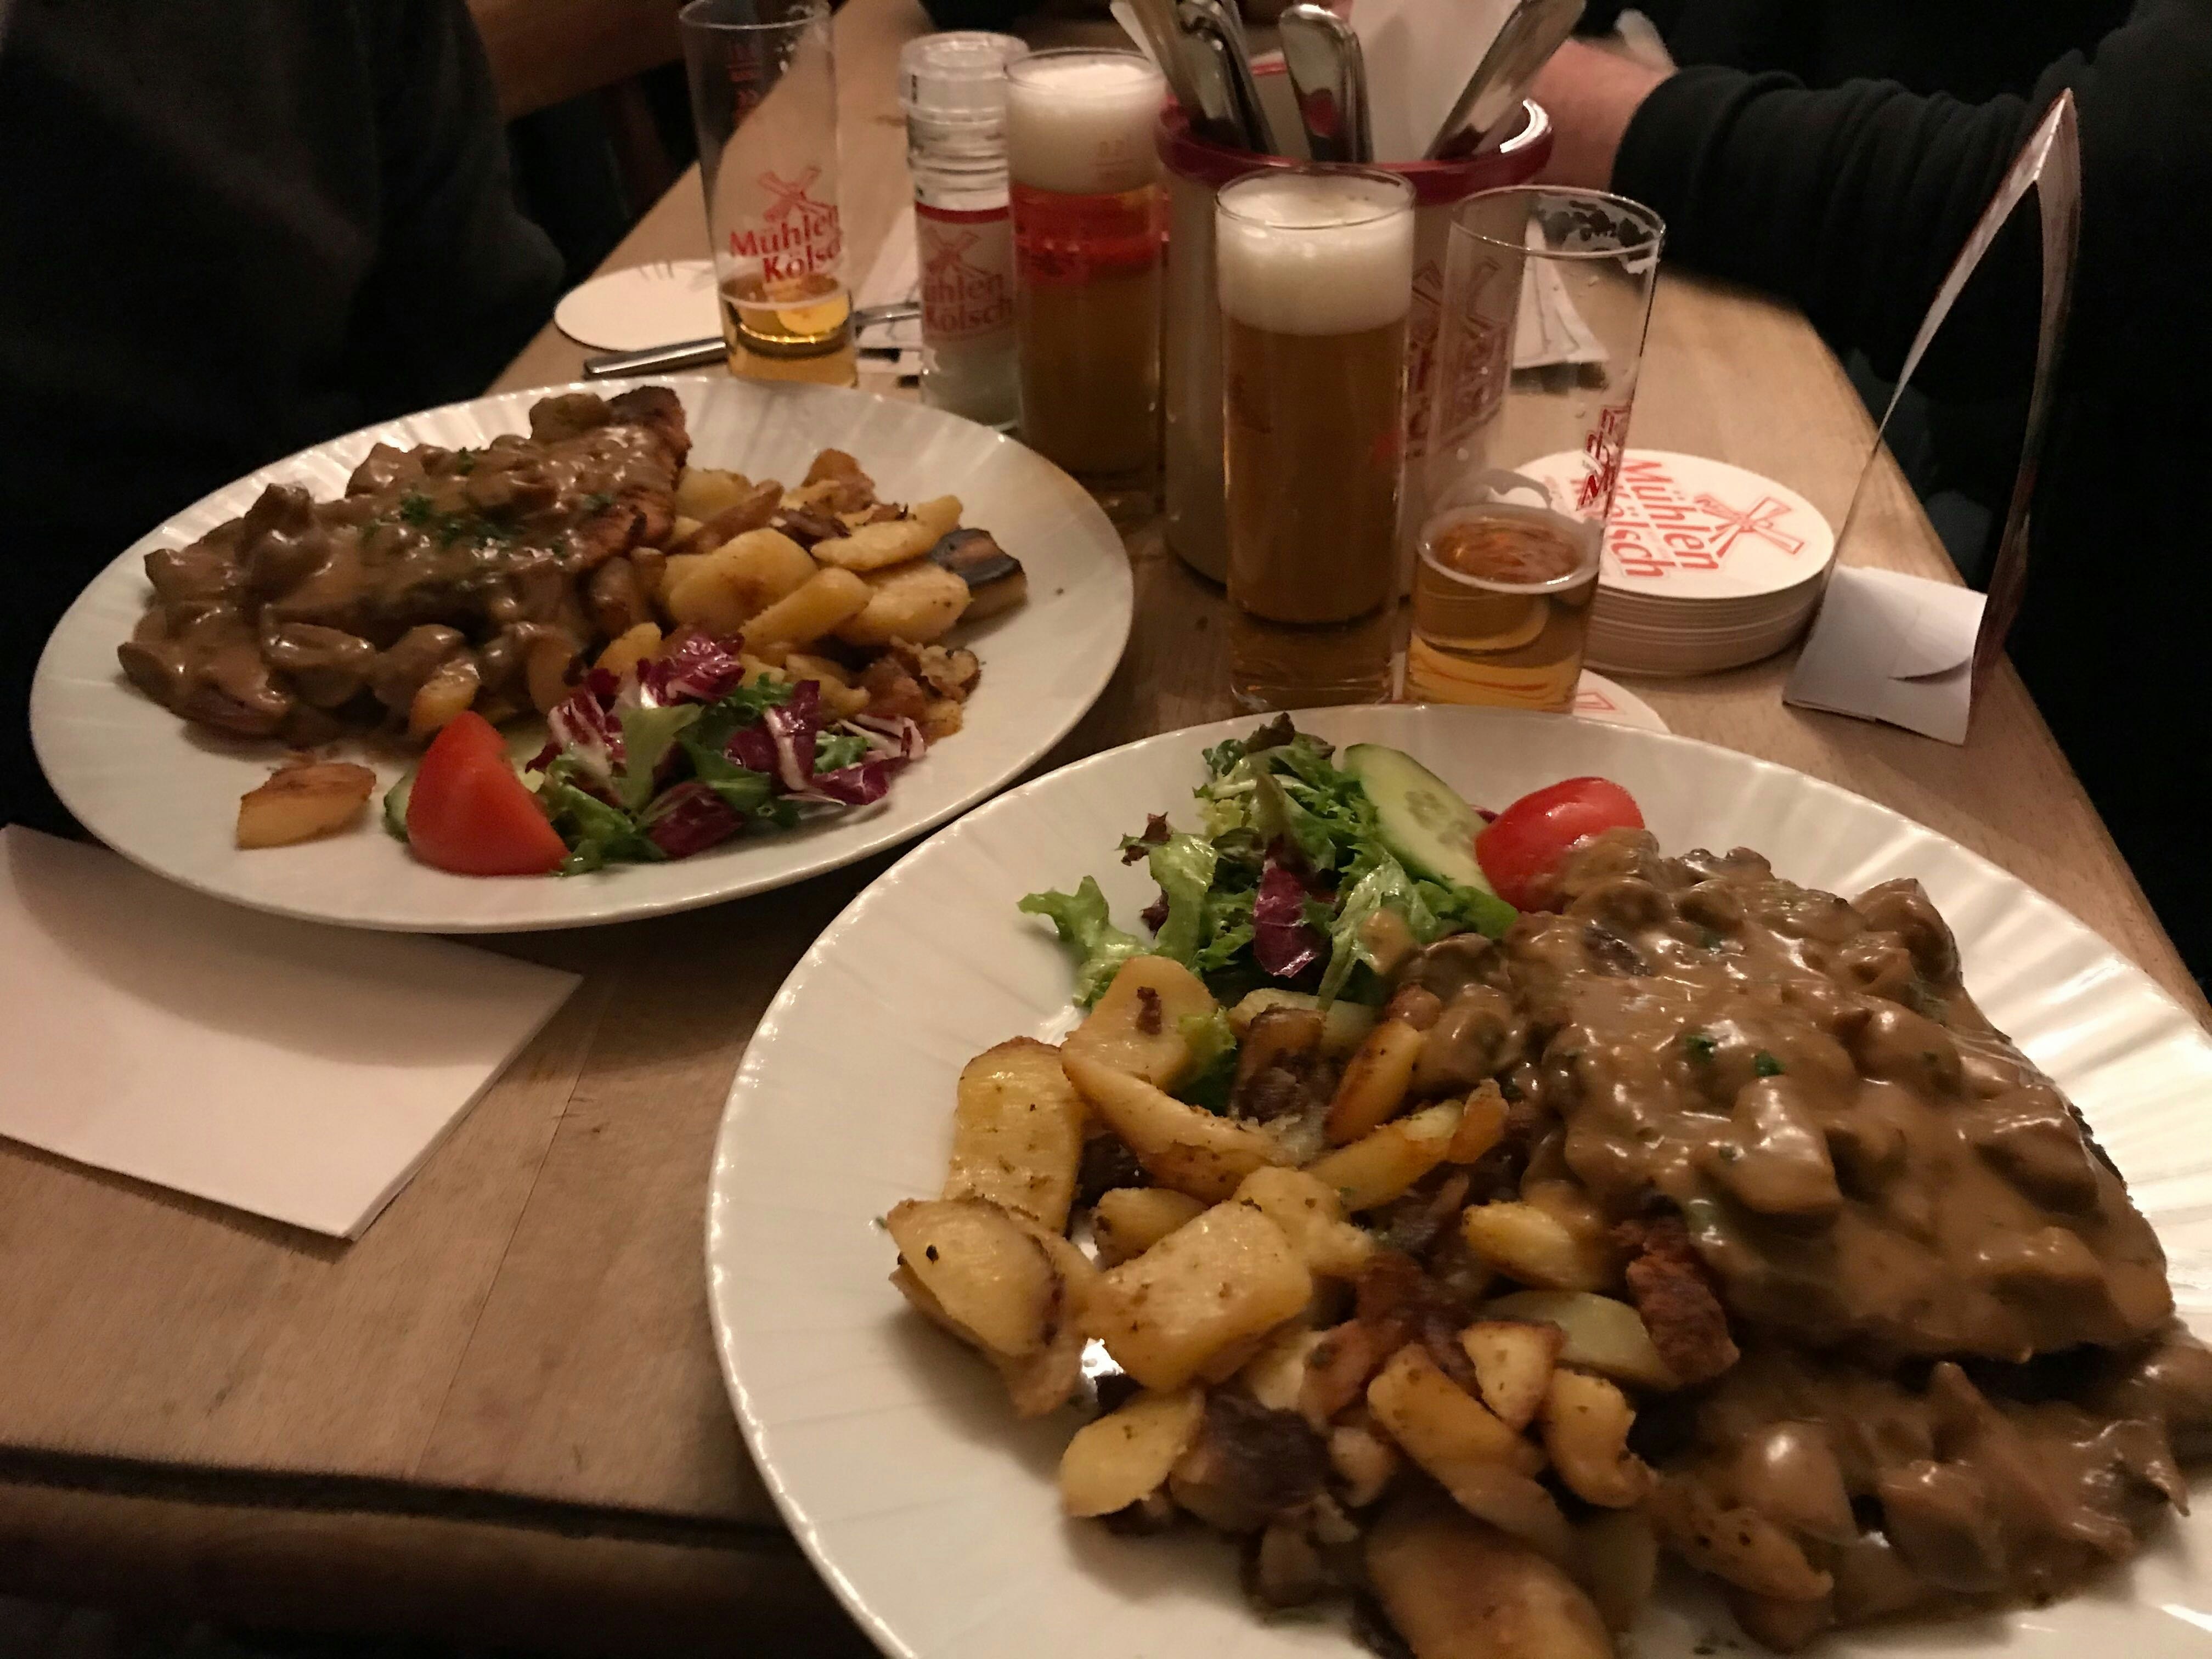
x=1090 y=232
x=764 y=100
x=1546 y=295
x=1314 y=270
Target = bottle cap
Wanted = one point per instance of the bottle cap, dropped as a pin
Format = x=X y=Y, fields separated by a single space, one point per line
x=957 y=76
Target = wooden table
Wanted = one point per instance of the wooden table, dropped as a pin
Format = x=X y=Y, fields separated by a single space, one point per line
x=497 y=1414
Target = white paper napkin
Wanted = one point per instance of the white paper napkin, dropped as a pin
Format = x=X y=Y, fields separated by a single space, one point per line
x=1419 y=56
x=300 y=1072
x=1890 y=646
x=895 y=277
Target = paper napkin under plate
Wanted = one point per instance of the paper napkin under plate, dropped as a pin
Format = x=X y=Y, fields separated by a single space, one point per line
x=300 y=1072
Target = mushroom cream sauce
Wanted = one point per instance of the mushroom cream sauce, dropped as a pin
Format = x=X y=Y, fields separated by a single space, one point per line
x=1959 y=1382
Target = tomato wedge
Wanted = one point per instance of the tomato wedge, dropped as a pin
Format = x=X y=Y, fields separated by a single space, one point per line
x=469 y=813
x=1520 y=849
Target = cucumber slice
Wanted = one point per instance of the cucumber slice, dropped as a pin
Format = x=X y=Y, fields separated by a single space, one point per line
x=1423 y=822
x=395 y=805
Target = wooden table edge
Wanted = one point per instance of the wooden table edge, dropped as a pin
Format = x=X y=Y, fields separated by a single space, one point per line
x=309 y=1554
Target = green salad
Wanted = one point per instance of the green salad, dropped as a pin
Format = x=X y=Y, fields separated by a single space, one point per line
x=1306 y=868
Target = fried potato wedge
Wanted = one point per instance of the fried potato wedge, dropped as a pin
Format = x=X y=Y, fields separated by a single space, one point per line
x=1374 y=1082
x=1512 y=1365
x=877 y=546
x=1344 y=1024
x=1534 y=1247
x=1137 y=1025
x=1311 y=1216
x=1123 y=1457
x=1619 y=1555
x=1179 y=1145
x=1227 y=1276
x=1127 y=1221
x=810 y=610
x=1737 y=1545
x=1018 y=1133
x=1602 y=1333
x=1380 y=1165
x=302 y=803
x=993 y=1281
x=1586 y=1423
x=918 y=602
x=1456 y=1589
x=1439 y=1425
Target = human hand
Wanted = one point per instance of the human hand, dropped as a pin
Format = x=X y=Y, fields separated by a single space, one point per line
x=1590 y=94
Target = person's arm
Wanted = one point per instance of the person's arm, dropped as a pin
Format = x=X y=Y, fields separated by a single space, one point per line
x=460 y=279
x=1855 y=201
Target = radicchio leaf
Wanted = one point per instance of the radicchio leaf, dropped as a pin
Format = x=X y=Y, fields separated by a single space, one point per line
x=697 y=668
x=690 y=819
x=1283 y=942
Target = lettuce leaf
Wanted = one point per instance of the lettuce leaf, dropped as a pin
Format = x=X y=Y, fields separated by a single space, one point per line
x=1084 y=926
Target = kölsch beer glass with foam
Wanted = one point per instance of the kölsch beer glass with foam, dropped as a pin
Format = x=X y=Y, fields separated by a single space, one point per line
x=1315 y=275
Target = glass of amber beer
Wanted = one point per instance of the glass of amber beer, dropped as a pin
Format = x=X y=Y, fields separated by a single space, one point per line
x=1546 y=295
x=1315 y=272
x=1090 y=232
x=764 y=100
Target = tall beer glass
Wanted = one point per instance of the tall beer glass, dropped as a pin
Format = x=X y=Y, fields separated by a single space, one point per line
x=1548 y=293
x=1314 y=267
x=764 y=100
x=1089 y=237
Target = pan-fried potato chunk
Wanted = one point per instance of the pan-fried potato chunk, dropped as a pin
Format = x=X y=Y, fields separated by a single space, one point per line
x=1481 y=1124
x=1275 y=1375
x=917 y=602
x=1311 y=1216
x=1228 y=1275
x=451 y=687
x=940 y=514
x=1374 y=1082
x=1456 y=1589
x=631 y=648
x=703 y=491
x=992 y=1280
x=1512 y=1365
x=1603 y=1334
x=1018 y=1133
x=809 y=611
x=1137 y=1026
x=1380 y=1166
x=302 y=802
x=1439 y=1425
x=1124 y=1457
x=1586 y=1423
x=723 y=590
x=1531 y=1245
x=1343 y=1025
x=875 y=546
x=1179 y=1145
x=1129 y=1220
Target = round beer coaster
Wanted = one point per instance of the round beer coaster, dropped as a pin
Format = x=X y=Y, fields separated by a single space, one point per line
x=1684 y=528
x=1597 y=698
x=642 y=306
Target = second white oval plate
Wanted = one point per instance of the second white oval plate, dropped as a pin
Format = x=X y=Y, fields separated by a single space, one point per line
x=165 y=794
x=891 y=1449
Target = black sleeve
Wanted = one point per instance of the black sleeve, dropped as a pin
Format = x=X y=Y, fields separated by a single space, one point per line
x=1854 y=202
x=461 y=279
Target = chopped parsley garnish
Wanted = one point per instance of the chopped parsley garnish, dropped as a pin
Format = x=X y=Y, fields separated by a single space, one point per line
x=1702 y=1045
x=1765 y=1065
x=598 y=501
x=415 y=508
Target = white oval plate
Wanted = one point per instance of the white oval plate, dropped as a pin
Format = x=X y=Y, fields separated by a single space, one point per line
x=891 y=1451
x=165 y=794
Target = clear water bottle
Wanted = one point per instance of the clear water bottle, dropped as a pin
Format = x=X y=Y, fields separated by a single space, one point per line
x=953 y=87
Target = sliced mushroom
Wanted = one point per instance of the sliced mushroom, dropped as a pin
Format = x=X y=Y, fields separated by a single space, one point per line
x=995 y=579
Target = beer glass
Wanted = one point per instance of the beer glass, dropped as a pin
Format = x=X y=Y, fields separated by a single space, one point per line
x=764 y=99
x=1313 y=268
x=1088 y=234
x=1546 y=295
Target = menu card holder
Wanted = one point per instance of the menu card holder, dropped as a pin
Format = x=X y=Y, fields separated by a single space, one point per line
x=1909 y=650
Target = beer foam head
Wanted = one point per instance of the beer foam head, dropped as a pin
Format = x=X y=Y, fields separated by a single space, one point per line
x=1299 y=253
x=1080 y=122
